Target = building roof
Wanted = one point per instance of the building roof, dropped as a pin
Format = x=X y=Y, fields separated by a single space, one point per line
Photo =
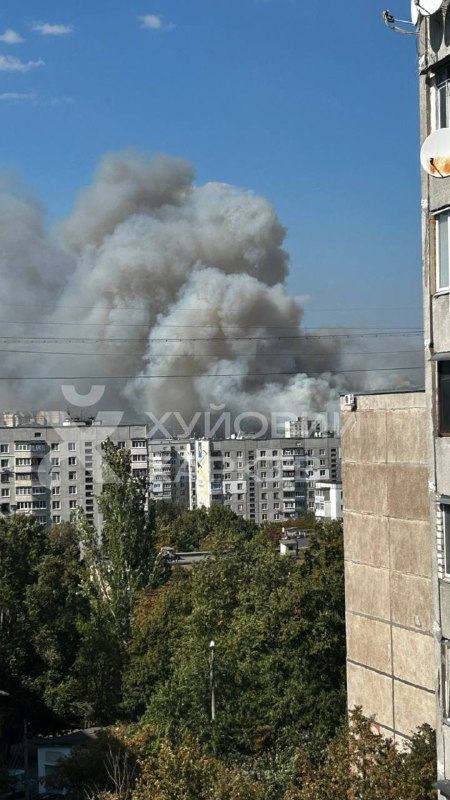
x=78 y=738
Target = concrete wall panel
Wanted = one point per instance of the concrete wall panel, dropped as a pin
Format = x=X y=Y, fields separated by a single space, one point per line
x=410 y=547
x=365 y=488
x=413 y=707
x=413 y=657
x=407 y=492
x=372 y=691
x=367 y=590
x=369 y=642
x=411 y=601
x=366 y=539
x=406 y=437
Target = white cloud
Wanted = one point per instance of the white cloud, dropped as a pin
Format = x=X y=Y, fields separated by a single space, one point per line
x=18 y=97
x=13 y=64
x=51 y=30
x=11 y=37
x=33 y=97
x=153 y=22
x=63 y=100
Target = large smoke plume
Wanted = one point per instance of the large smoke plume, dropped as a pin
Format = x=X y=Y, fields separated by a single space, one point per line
x=154 y=275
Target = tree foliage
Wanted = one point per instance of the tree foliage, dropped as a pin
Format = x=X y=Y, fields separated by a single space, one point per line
x=359 y=763
x=119 y=560
x=280 y=646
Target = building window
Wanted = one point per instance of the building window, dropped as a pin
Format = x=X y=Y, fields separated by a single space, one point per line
x=72 y=503
x=4 y=448
x=54 y=445
x=72 y=489
x=56 y=489
x=443 y=98
x=446 y=525
x=56 y=519
x=444 y=397
x=4 y=463
x=264 y=517
x=5 y=492
x=55 y=462
x=443 y=255
x=56 y=504
x=72 y=446
x=445 y=678
x=72 y=476
x=72 y=460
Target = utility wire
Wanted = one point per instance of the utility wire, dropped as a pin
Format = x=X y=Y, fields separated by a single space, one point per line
x=275 y=354
x=219 y=324
x=85 y=339
x=197 y=375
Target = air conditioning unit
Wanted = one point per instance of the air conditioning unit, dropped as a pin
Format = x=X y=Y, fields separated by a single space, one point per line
x=350 y=402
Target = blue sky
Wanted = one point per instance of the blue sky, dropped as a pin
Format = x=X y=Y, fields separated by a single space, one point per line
x=312 y=104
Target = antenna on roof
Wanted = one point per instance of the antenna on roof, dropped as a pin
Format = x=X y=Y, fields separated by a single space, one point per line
x=393 y=24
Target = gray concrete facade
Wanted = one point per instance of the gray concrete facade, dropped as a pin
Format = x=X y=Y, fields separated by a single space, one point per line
x=49 y=471
x=388 y=562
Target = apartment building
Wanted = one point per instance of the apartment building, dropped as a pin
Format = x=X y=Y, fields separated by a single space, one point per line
x=434 y=60
x=328 y=500
x=265 y=480
x=390 y=621
x=396 y=472
x=49 y=471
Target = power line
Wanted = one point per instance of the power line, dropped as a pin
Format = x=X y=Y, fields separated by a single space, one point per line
x=198 y=375
x=304 y=307
x=219 y=324
x=84 y=339
x=275 y=354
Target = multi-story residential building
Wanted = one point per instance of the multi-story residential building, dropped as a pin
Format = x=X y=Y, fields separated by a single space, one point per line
x=260 y=479
x=388 y=561
x=396 y=467
x=50 y=471
x=328 y=500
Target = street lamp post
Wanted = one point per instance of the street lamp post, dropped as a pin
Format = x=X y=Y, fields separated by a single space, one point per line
x=212 y=686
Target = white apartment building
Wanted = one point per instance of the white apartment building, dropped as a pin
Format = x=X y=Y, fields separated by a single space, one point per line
x=328 y=502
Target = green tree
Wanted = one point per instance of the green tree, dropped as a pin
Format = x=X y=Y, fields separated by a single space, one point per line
x=55 y=607
x=280 y=646
x=119 y=560
x=358 y=763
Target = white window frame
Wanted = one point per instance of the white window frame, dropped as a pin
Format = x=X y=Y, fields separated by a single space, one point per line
x=445 y=510
x=441 y=84
x=438 y=217
x=445 y=678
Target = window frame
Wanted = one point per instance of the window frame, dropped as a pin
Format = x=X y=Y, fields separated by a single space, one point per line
x=438 y=217
x=442 y=379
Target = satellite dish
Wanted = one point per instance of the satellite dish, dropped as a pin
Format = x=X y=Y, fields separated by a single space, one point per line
x=414 y=12
x=428 y=7
x=435 y=154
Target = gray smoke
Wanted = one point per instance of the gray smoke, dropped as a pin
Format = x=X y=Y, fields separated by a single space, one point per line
x=153 y=275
